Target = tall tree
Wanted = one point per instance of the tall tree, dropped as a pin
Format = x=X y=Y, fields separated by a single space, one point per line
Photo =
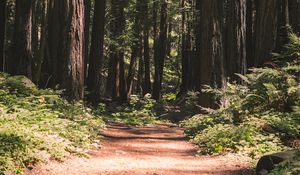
x=22 y=57
x=135 y=48
x=116 y=82
x=66 y=46
x=265 y=30
x=250 y=16
x=87 y=21
x=235 y=38
x=96 y=53
x=283 y=25
x=2 y=33
x=40 y=35
x=73 y=37
x=56 y=28
x=210 y=46
x=294 y=9
x=187 y=66
x=160 y=51
x=146 y=55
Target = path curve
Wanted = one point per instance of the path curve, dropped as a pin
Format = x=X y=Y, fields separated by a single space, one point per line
x=151 y=150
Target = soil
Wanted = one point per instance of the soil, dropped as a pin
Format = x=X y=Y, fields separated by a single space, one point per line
x=147 y=150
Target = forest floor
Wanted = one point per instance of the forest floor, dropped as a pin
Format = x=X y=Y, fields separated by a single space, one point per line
x=147 y=150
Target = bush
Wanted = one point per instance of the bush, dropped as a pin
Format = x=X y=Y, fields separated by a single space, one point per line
x=290 y=166
x=38 y=124
x=139 y=111
x=257 y=116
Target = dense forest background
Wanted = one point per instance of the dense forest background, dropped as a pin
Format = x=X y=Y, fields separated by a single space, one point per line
x=97 y=49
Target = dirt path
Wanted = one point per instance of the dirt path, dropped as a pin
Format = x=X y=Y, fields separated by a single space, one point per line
x=156 y=150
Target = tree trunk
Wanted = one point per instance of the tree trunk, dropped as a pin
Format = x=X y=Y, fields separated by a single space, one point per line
x=147 y=80
x=265 y=31
x=73 y=47
x=139 y=84
x=22 y=39
x=96 y=53
x=197 y=58
x=40 y=33
x=283 y=25
x=160 y=50
x=235 y=39
x=116 y=75
x=185 y=51
x=56 y=29
x=250 y=16
x=135 y=47
x=87 y=21
x=210 y=46
x=294 y=9
x=2 y=33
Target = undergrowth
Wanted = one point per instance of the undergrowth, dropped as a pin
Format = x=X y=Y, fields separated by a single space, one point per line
x=257 y=116
x=37 y=125
x=139 y=111
x=289 y=166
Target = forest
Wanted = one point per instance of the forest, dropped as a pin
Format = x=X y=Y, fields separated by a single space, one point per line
x=171 y=87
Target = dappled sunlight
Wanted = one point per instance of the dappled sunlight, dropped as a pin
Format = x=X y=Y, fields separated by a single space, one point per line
x=146 y=150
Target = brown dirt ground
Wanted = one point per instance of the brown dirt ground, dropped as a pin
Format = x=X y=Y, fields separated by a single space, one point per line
x=150 y=150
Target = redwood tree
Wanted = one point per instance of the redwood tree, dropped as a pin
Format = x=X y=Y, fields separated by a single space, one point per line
x=146 y=56
x=160 y=51
x=235 y=38
x=87 y=21
x=22 y=51
x=116 y=83
x=265 y=31
x=2 y=33
x=73 y=74
x=135 y=48
x=294 y=15
x=66 y=46
x=210 y=46
x=96 y=53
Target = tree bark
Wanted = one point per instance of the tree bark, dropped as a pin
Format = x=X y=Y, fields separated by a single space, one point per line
x=160 y=50
x=210 y=46
x=294 y=18
x=265 y=31
x=283 y=25
x=147 y=80
x=22 y=49
x=250 y=16
x=235 y=39
x=56 y=29
x=87 y=21
x=116 y=78
x=40 y=52
x=96 y=53
x=73 y=47
x=186 y=66
x=135 y=47
x=2 y=33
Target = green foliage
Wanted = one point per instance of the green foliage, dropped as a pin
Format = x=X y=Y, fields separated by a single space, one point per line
x=139 y=111
x=38 y=124
x=290 y=167
x=253 y=118
x=191 y=103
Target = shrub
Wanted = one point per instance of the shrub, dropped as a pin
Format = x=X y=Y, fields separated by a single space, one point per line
x=38 y=124
x=254 y=117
